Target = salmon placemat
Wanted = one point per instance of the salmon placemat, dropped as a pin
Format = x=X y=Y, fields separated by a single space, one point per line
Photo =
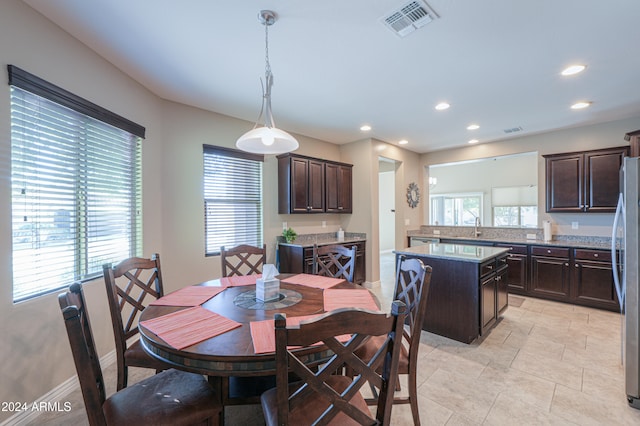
x=348 y=298
x=189 y=296
x=237 y=281
x=315 y=281
x=189 y=326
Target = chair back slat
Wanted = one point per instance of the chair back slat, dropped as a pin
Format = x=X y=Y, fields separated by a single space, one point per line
x=334 y=260
x=243 y=260
x=78 y=326
x=381 y=370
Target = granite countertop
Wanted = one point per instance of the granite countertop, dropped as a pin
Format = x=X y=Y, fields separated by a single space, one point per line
x=512 y=236
x=458 y=252
x=308 y=240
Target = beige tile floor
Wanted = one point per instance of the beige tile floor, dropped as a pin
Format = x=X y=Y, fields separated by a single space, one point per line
x=544 y=363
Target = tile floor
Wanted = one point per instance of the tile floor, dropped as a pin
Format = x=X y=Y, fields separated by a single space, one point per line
x=544 y=363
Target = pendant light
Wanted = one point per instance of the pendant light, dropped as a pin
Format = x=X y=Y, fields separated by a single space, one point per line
x=267 y=139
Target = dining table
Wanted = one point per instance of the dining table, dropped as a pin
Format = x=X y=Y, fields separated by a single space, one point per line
x=242 y=341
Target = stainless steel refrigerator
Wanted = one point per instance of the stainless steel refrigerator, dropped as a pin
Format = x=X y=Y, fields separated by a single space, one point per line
x=626 y=273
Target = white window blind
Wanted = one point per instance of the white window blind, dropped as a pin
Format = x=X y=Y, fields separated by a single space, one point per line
x=76 y=194
x=232 y=199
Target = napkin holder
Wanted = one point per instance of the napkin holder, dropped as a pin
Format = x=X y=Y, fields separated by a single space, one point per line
x=267 y=290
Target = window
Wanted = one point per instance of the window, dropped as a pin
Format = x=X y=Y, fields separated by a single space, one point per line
x=232 y=198
x=76 y=187
x=515 y=206
x=455 y=209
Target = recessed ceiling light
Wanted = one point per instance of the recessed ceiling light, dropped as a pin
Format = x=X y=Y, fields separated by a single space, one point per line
x=580 y=105
x=573 y=69
x=473 y=127
x=403 y=142
x=474 y=141
x=365 y=128
x=442 y=106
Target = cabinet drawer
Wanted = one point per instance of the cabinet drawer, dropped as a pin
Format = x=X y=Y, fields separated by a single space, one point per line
x=550 y=251
x=514 y=248
x=487 y=268
x=585 y=254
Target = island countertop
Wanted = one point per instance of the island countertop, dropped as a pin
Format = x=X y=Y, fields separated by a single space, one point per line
x=459 y=252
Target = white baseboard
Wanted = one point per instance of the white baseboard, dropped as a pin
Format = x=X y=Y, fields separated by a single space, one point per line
x=56 y=394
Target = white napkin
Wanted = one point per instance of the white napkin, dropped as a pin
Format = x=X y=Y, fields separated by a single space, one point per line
x=269 y=272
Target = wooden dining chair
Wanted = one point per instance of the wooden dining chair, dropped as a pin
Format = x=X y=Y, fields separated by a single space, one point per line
x=170 y=398
x=131 y=285
x=334 y=261
x=413 y=280
x=323 y=397
x=243 y=260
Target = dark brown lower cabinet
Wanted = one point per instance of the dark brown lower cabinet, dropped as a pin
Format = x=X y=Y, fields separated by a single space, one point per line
x=502 y=288
x=488 y=307
x=297 y=259
x=550 y=273
x=592 y=281
x=518 y=258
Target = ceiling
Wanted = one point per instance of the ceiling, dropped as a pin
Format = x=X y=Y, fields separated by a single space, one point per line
x=336 y=66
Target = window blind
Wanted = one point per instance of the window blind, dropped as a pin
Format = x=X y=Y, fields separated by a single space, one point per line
x=76 y=194
x=232 y=199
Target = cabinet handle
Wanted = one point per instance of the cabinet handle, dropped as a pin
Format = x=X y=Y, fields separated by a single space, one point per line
x=566 y=264
x=577 y=266
x=595 y=254
x=549 y=251
x=340 y=208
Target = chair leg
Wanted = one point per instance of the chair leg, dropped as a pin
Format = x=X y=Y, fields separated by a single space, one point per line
x=413 y=399
x=123 y=375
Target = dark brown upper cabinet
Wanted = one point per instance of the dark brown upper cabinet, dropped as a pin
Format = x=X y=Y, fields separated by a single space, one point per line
x=312 y=185
x=584 y=182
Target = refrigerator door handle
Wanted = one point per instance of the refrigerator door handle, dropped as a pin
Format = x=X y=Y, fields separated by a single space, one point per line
x=614 y=263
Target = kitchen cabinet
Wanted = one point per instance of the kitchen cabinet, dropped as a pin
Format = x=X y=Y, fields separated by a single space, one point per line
x=584 y=181
x=550 y=272
x=592 y=282
x=518 y=259
x=338 y=192
x=493 y=292
x=312 y=185
x=298 y=259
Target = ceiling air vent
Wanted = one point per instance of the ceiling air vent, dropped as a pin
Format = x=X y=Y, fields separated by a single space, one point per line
x=409 y=18
x=513 y=129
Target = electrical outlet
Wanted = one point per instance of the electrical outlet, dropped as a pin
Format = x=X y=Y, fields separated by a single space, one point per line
x=407 y=222
x=284 y=225
x=574 y=225
x=324 y=223
x=436 y=232
x=531 y=236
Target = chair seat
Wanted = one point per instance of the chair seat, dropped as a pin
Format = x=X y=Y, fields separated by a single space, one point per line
x=311 y=408
x=170 y=398
x=136 y=356
x=369 y=349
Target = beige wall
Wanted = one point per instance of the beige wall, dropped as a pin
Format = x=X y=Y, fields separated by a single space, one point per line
x=575 y=139
x=34 y=352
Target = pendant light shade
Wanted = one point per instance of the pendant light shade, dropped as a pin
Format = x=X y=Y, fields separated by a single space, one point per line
x=267 y=139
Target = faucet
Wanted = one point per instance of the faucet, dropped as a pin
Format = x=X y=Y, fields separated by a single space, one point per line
x=475 y=228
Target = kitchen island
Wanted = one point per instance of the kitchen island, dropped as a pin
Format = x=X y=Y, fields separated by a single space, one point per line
x=468 y=288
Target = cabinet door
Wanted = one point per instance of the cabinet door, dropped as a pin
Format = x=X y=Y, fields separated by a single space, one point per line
x=593 y=285
x=501 y=289
x=517 y=273
x=316 y=186
x=338 y=188
x=564 y=183
x=550 y=277
x=299 y=185
x=488 y=311
x=602 y=180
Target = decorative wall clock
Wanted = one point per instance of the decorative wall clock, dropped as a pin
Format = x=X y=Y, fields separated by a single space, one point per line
x=413 y=195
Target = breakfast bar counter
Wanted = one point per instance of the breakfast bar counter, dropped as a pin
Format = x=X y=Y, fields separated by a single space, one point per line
x=468 y=288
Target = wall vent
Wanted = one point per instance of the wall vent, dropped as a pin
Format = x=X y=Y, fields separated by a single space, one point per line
x=513 y=129
x=409 y=17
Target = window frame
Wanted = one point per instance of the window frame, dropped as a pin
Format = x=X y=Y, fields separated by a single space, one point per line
x=78 y=244
x=235 y=155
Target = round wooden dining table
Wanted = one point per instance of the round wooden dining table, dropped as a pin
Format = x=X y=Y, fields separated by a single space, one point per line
x=232 y=353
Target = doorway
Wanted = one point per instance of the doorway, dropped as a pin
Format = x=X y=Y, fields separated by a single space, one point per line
x=387 y=222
